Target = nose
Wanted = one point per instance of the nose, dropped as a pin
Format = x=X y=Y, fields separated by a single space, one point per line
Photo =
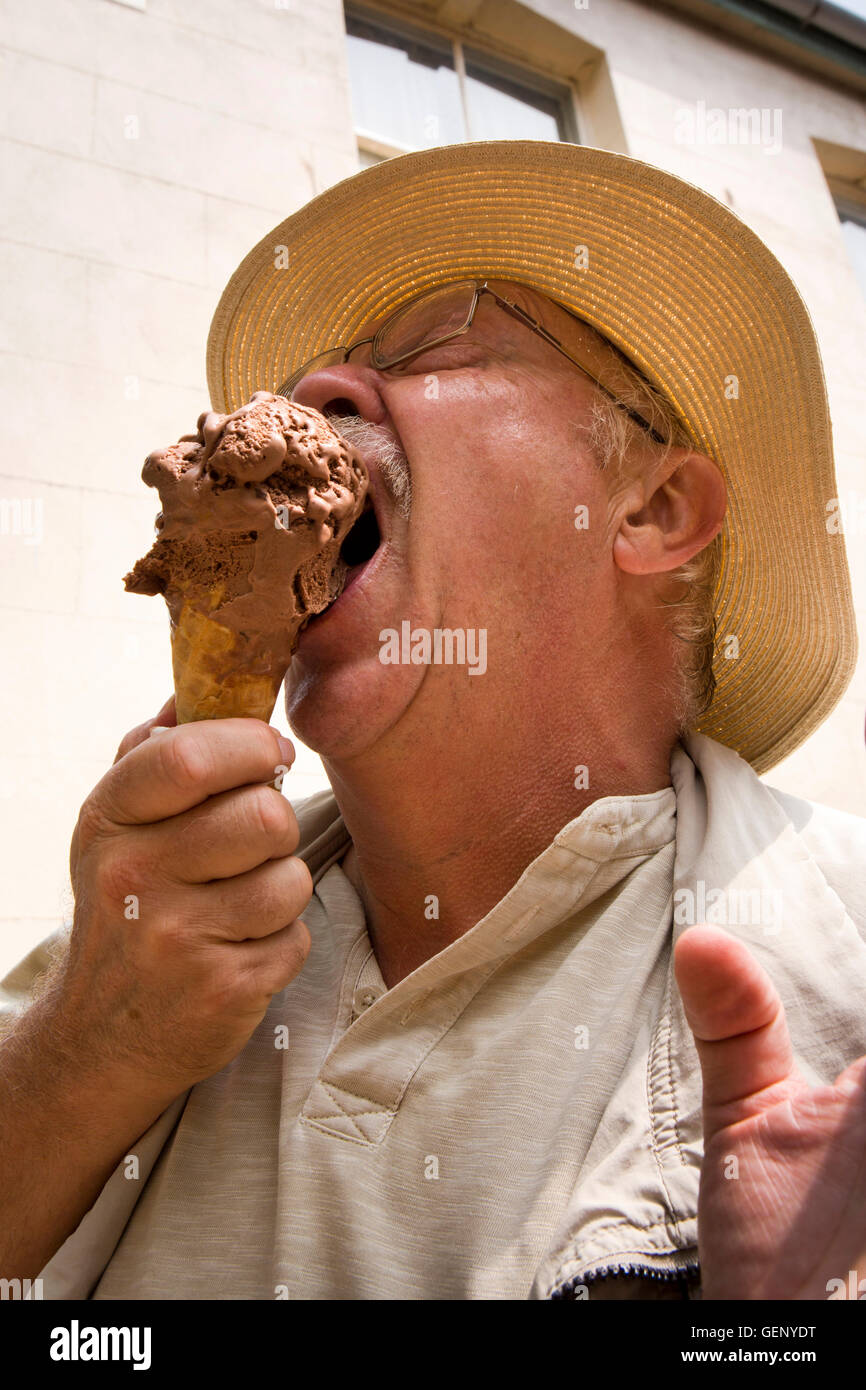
x=343 y=389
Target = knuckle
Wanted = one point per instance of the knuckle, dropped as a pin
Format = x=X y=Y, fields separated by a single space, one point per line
x=268 y=811
x=218 y=995
x=293 y=831
x=300 y=881
x=261 y=741
x=270 y=979
x=170 y=936
x=181 y=758
x=119 y=875
x=294 y=953
x=229 y=990
x=301 y=942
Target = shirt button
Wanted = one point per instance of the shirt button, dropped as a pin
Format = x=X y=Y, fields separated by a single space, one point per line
x=363 y=998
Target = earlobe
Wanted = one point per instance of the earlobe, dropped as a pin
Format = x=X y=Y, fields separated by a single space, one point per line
x=680 y=516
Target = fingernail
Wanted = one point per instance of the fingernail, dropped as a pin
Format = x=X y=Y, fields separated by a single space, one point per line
x=286 y=749
x=157 y=729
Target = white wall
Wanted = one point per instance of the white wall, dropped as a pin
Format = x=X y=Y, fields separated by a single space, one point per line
x=114 y=253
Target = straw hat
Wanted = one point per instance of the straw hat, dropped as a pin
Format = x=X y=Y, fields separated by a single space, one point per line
x=680 y=285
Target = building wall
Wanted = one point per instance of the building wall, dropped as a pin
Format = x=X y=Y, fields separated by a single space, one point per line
x=145 y=152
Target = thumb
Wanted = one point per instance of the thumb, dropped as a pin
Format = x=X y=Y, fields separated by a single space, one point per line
x=735 y=1013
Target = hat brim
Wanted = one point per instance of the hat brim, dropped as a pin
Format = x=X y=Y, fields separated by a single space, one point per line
x=682 y=287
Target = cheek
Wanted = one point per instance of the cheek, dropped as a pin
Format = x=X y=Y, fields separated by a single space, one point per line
x=511 y=493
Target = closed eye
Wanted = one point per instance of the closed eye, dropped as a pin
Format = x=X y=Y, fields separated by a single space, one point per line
x=447 y=356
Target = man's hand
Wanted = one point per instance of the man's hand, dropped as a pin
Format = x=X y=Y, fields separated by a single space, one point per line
x=782 y=1208
x=185 y=926
x=187 y=903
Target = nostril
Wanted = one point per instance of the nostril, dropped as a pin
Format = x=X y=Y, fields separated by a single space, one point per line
x=340 y=405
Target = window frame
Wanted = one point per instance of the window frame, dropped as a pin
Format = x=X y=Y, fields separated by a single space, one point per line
x=850 y=209
x=382 y=147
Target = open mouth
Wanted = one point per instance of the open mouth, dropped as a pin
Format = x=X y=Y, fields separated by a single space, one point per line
x=357 y=550
x=363 y=540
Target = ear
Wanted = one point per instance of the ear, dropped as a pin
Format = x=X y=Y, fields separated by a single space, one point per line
x=671 y=514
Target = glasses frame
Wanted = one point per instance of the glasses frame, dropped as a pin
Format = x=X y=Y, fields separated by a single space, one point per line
x=383 y=363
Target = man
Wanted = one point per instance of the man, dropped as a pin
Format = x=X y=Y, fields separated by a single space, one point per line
x=467 y=1071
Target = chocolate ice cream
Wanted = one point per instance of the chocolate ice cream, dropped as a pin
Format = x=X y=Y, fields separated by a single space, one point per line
x=255 y=507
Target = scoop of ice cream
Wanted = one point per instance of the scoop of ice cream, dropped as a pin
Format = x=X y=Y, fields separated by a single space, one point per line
x=254 y=509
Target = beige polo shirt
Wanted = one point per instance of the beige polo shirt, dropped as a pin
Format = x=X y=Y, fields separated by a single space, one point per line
x=422 y=1141
x=521 y=1116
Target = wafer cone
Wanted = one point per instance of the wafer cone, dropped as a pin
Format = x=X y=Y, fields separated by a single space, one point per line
x=211 y=664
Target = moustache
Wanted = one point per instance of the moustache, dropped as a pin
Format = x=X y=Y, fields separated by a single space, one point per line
x=378 y=442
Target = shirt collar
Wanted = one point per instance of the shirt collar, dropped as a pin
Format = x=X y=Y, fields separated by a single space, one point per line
x=586 y=858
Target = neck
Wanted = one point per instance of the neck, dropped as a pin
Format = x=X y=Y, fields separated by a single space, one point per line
x=443 y=825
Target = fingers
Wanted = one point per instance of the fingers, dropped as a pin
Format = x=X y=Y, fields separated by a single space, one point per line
x=737 y=1018
x=274 y=962
x=229 y=834
x=167 y=718
x=169 y=774
x=248 y=907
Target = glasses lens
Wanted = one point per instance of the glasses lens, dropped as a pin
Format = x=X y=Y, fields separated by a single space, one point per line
x=324 y=359
x=438 y=314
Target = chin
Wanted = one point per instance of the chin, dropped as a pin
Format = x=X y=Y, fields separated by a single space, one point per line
x=343 y=711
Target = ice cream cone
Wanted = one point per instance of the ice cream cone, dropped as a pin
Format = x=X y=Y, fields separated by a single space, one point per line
x=254 y=510
x=212 y=675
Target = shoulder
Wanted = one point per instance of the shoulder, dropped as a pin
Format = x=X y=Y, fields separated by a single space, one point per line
x=836 y=840
x=717 y=784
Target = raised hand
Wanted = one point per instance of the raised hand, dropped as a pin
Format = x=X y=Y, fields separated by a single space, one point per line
x=782 y=1207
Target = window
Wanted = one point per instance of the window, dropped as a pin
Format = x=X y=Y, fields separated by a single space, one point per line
x=853 y=219
x=412 y=89
x=845 y=171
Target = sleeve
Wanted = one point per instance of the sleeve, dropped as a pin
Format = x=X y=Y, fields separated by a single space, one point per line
x=836 y=841
x=26 y=980
x=76 y=1267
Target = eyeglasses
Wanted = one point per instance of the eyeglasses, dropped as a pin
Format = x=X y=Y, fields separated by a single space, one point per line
x=436 y=316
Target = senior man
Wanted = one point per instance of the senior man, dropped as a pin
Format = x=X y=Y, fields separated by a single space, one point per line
x=467 y=1071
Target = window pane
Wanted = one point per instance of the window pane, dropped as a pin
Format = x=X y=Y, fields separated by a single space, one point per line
x=854 y=234
x=500 y=109
x=402 y=90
